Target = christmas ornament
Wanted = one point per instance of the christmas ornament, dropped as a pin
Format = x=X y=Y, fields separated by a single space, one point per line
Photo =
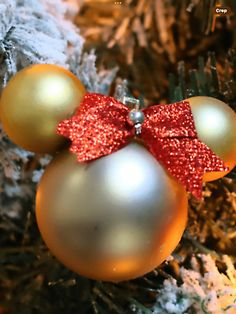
x=113 y=219
x=35 y=100
x=120 y=214
x=215 y=124
x=103 y=125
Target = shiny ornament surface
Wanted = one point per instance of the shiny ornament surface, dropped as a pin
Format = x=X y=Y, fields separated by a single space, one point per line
x=113 y=219
x=215 y=123
x=35 y=100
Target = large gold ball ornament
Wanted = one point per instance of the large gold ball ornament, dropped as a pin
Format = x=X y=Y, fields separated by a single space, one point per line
x=215 y=123
x=34 y=101
x=112 y=219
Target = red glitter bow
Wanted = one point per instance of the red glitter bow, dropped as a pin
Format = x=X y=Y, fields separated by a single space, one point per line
x=100 y=127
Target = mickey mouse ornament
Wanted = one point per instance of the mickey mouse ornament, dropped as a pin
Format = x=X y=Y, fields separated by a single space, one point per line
x=115 y=207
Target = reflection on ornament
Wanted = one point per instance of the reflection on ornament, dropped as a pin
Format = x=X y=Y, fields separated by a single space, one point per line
x=215 y=123
x=35 y=100
x=115 y=218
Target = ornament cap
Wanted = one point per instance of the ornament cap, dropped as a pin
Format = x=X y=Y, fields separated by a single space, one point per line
x=136 y=116
x=131 y=102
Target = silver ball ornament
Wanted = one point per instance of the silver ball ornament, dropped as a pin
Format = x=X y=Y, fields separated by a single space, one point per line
x=112 y=219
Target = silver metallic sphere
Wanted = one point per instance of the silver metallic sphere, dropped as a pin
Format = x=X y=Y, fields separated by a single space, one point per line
x=113 y=219
x=136 y=116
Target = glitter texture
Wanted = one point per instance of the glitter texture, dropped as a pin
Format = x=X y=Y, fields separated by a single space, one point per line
x=100 y=127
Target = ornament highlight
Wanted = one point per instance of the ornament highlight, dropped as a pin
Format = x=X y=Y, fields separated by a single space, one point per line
x=113 y=219
x=215 y=124
x=34 y=101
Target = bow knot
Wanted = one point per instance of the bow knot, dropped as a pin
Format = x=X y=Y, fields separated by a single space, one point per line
x=103 y=125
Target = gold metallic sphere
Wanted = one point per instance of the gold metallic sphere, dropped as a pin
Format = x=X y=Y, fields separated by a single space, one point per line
x=215 y=123
x=35 y=100
x=112 y=219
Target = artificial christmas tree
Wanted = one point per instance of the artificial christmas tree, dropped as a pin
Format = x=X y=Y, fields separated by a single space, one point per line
x=142 y=42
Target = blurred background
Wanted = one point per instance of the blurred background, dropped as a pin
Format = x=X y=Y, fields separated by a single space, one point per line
x=148 y=40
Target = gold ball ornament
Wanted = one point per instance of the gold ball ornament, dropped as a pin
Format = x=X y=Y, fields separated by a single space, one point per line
x=34 y=101
x=112 y=219
x=215 y=123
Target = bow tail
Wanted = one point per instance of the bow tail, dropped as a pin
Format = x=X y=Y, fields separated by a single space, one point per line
x=186 y=159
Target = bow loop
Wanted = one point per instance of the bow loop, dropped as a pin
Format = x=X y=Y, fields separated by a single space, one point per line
x=174 y=120
x=98 y=128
